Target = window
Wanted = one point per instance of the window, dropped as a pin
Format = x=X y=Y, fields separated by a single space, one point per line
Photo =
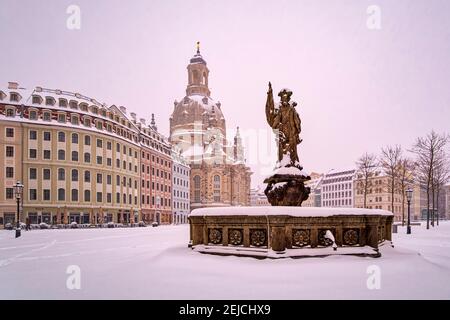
x=99 y=196
x=74 y=155
x=109 y=162
x=61 y=155
x=73 y=104
x=87 y=140
x=33 y=174
x=33 y=194
x=99 y=125
x=10 y=132
x=118 y=197
x=87 y=176
x=108 y=179
x=109 y=145
x=49 y=101
x=33 y=115
x=47 y=116
x=74 y=138
x=109 y=197
x=118 y=147
x=9 y=172
x=46 y=174
x=46 y=194
x=87 y=122
x=87 y=195
x=99 y=178
x=74 y=120
x=61 y=174
x=9 y=151
x=47 y=136
x=216 y=188
x=99 y=159
x=61 y=137
x=61 y=194
x=61 y=118
x=118 y=163
x=33 y=135
x=74 y=175
x=87 y=157
x=10 y=112
x=33 y=153
x=9 y=193
x=74 y=195
x=63 y=103
x=197 y=189
x=118 y=180
x=99 y=143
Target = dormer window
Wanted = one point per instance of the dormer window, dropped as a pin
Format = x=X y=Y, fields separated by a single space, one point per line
x=205 y=100
x=61 y=118
x=84 y=107
x=33 y=115
x=63 y=103
x=87 y=122
x=99 y=125
x=73 y=104
x=10 y=112
x=37 y=100
x=15 y=97
x=74 y=120
x=103 y=113
x=47 y=116
x=94 y=110
x=2 y=95
x=49 y=101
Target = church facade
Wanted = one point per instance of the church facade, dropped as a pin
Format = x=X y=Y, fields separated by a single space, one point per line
x=219 y=175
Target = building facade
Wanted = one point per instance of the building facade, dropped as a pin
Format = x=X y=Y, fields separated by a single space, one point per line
x=78 y=159
x=337 y=188
x=219 y=176
x=181 y=188
x=258 y=198
x=315 y=195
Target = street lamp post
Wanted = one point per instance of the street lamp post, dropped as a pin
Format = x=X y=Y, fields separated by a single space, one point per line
x=409 y=193
x=18 y=190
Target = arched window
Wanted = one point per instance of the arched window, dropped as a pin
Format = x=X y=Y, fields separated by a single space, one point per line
x=216 y=188
x=74 y=155
x=61 y=174
x=74 y=138
x=74 y=175
x=87 y=157
x=74 y=194
x=61 y=137
x=61 y=194
x=197 y=189
x=87 y=195
x=61 y=155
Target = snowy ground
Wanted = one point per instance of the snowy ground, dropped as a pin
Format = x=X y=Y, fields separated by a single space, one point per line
x=155 y=263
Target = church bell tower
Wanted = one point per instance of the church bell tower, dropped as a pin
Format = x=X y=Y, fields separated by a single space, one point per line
x=198 y=74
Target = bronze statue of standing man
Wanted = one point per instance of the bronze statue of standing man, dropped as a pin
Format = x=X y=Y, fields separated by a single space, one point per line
x=286 y=122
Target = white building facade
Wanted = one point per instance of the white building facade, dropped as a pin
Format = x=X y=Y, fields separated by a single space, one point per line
x=181 y=197
x=337 y=189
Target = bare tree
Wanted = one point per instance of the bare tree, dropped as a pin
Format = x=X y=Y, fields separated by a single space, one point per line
x=406 y=180
x=427 y=150
x=390 y=162
x=441 y=176
x=366 y=166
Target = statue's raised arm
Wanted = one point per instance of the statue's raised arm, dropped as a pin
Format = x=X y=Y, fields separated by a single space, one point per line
x=270 y=106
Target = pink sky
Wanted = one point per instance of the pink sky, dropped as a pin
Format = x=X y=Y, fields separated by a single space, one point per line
x=358 y=89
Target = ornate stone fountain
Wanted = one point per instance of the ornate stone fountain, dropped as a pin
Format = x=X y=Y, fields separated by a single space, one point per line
x=285 y=229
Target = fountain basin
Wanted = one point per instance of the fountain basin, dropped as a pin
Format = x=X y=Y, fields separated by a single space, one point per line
x=281 y=228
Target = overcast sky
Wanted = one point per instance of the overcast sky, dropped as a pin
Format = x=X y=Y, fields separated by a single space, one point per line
x=358 y=88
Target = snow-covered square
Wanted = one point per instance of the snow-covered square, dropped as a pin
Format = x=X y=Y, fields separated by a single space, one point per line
x=155 y=263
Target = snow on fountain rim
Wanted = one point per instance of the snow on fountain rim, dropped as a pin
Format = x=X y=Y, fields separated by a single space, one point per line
x=286 y=211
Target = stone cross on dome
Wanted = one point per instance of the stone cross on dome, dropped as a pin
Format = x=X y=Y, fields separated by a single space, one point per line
x=198 y=47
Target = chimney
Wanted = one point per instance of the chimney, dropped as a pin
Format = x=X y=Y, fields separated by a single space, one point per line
x=13 y=85
x=123 y=109
x=142 y=121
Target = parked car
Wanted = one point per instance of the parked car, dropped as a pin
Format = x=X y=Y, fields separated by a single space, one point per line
x=74 y=225
x=44 y=225
x=8 y=226
x=155 y=224
x=111 y=225
x=142 y=224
